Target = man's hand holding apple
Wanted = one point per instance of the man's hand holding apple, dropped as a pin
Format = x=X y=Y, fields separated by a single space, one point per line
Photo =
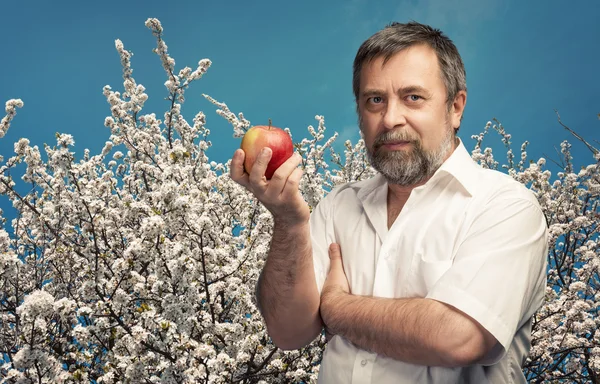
x=280 y=194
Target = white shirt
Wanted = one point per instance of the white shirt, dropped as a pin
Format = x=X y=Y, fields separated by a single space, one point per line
x=470 y=237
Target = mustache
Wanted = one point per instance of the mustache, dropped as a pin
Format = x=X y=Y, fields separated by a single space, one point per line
x=394 y=136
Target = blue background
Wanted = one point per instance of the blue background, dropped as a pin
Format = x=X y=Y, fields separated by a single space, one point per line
x=290 y=61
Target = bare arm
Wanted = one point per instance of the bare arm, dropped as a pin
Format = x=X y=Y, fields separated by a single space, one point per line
x=415 y=330
x=419 y=331
x=286 y=291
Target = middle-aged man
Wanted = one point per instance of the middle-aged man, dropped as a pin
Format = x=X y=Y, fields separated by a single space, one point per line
x=429 y=272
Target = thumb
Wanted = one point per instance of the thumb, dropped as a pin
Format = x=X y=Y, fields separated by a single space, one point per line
x=335 y=254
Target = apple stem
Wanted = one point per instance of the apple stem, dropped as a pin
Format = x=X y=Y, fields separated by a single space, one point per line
x=269 y=123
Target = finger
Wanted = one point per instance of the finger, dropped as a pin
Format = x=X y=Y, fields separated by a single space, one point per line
x=236 y=170
x=257 y=174
x=334 y=251
x=292 y=184
x=279 y=180
x=335 y=255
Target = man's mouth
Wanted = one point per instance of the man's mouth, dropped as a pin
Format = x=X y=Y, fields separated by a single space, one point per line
x=395 y=144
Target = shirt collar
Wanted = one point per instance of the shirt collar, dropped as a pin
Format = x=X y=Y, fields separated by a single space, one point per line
x=462 y=167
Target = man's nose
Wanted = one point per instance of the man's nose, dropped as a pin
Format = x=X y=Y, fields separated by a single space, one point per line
x=394 y=114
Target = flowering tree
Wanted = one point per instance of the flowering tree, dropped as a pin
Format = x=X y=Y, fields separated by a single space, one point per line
x=566 y=342
x=138 y=264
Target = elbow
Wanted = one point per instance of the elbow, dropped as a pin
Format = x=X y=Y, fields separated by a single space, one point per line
x=463 y=340
x=282 y=341
x=298 y=336
x=287 y=345
x=293 y=335
x=470 y=348
x=465 y=355
x=289 y=342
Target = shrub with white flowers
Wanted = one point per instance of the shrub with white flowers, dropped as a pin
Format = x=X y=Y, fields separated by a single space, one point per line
x=138 y=264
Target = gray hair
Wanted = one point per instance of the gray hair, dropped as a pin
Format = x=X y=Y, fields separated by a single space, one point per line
x=396 y=37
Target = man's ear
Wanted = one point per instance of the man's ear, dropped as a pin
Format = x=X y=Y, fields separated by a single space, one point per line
x=457 y=108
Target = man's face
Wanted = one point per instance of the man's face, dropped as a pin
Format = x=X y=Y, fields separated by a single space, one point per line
x=407 y=127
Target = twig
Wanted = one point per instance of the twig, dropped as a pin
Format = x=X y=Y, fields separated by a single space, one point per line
x=590 y=147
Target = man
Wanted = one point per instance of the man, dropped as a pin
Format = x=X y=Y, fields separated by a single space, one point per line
x=431 y=271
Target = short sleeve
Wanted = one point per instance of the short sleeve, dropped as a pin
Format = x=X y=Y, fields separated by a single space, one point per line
x=322 y=234
x=498 y=276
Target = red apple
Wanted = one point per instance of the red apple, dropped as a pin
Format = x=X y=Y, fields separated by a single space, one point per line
x=261 y=136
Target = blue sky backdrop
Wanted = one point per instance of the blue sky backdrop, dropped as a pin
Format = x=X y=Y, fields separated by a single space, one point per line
x=290 y=61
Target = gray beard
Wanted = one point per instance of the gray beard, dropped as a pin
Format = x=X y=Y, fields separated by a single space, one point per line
x=411 y=166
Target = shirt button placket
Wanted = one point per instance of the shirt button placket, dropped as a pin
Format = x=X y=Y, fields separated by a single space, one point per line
x=363 y=368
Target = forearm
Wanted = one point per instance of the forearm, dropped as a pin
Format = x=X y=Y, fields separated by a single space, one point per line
x=419 y=331
x=286 y=291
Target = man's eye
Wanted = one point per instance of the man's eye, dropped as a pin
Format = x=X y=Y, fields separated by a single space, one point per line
x=415 y=98
x=376 y=99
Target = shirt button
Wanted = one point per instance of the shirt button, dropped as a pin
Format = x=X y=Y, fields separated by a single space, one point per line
x=363 y=363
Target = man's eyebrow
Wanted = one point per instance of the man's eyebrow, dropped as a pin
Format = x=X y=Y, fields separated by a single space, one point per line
x=372 y=92
x=410 y=89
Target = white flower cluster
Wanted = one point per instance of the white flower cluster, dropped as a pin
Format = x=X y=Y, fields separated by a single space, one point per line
x=11 y=111
x=566 y=340
x=139 y=264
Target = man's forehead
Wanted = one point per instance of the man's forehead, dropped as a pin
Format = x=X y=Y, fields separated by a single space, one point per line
x=406 y=69
x=411 y=50
x=418 y=56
